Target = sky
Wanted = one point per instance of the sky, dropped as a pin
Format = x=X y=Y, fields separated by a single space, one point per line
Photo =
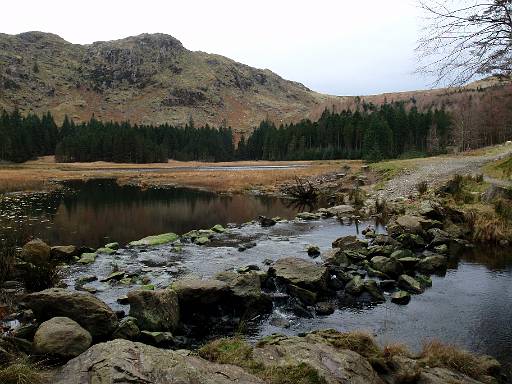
x=338 y=47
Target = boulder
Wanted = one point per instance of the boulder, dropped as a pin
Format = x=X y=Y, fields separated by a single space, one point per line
x=438 y=237
x=128 y=329
x=87 y=258
x=164 y=238
x=155 y=310
x=444 y=376
x=341 y=210
x=334 y=365
x=305 y=296
x=246 y=290
x=355 y=286
x=64 y=252
x=372 y=288
x=349 y=242
x=114 y=245
x=411 y=240
x=335 y=256
x=62 y=337
x=313 y=250
x=87 y=310
x=401 y=297
x=123 y=361
x=218 y=228
x=409 y=263
x=302 y=273
x=36 y=252
x=266 y=221
x=410 y=284
x=196 y=292
x=389 y=266
x=433 y=263
x=309 y=216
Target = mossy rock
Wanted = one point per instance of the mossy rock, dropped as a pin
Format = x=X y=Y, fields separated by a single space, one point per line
x=87 y=258
x=218 y=228
x=203 y=240
x=164 y=238
x=105 y=250
x=114 y=245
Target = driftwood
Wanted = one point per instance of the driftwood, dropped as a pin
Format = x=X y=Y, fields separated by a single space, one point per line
x=302 y=190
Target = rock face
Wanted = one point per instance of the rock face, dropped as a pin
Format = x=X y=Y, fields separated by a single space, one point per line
x=123 y=361
x=155 y=310
x=36 y=252
x=61 y=336
x=302 y=273
x=88 y=311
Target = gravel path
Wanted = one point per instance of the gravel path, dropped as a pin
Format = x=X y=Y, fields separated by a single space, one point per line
x=437 y=170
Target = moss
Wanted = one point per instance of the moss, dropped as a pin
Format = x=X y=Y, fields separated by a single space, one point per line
x=87 y=258
x=105 y=250
x=359 y=342
x=155 y=240
x=228 y=351
x=292 y=374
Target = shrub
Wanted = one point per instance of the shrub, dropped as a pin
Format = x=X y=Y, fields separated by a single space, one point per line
x=7 y=260
x=503 y=208
x=422 y=187
x=40 y=277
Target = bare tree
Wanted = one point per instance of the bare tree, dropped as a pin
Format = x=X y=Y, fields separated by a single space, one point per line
x=465 y=39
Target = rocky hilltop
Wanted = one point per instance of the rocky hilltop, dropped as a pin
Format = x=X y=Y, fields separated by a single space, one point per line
x=150 y=78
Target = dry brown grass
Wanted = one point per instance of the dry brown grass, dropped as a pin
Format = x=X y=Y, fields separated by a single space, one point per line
x=39 y=174
x=437 y=354
x=396 y=349
x=22 y=372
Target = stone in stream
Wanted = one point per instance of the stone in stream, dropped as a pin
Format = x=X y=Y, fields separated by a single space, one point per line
x=411 y=241
x=192 y=293
x=324 y=308
x=355 y=286
x=372 y=288
x=308 y=216
x=410 y=284
x=313 y=250
x=84 y=279
x=350 y=242
x=62 y=337
x=433 y=263
x=36 y=252
x=305 y=296
x=118 y=275
x=155 y=310
x=124 y=361
x=301 y=272
x=106 y=251
x=64 y=252
x=114 y=246
x=401 y=297
x=128 y=329
x=266 y=221
x=201 y=240
x=401 y=253
x=87 y=310
x=409 y=263
x=164 y=238
x=389 y=266
x=218 y=228
x=87 y=258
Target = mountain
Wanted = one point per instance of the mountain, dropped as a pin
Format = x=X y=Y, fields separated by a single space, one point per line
x=150 y=78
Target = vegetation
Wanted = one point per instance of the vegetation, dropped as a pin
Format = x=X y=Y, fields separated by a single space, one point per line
x=372 y=133
x=21 y=371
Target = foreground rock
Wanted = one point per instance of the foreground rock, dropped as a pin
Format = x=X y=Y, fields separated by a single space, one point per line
x=302 y=273
x=123 y=361
x=36 y=252
x=155 y=310
x=62 y=337
x=87 y=310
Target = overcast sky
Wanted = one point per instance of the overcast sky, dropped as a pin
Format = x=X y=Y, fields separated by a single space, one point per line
x=342 y=47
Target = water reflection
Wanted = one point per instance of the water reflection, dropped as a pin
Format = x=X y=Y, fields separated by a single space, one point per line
x=100 y=210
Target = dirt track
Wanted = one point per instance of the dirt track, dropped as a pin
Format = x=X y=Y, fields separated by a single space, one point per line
x=437 y=170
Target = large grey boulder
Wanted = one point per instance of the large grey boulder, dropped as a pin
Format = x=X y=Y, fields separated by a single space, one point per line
x=389 y=266
x=87 y=310
x=333 y=365
x=410 y=284
x=36 y=252
x=350 y=243
x=155 y=310
x=200 y=292
x=301 y=272
x=64 y=252
x=433 y=263
x=62 y=337
x=123 y=361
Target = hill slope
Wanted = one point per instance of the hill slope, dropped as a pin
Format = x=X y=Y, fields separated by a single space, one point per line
x=150 y=78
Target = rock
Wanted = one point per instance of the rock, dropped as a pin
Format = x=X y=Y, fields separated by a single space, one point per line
x=36 y=252
x=196 y=292
x=443 y=249
x=411 y=224
x=389 y=266
x=438 y=237
x=401 y=297
x=64 y=252
x=398 y=254
x=123 y=361
x=157 y=338
x=335 y=256
x=324 y=308
x=266 y=221
x=444 y=376
x=218 y=228
x=387 y=285
x=118 y=275
x=431 y=209
x=26 y=331
x=105 y=251
x=87 y=258
x=84 y=279
x=308 y=216
x=246 y=290
x=201 y=240
x=411 y=240
x=305 y=296
x=62 y=337
x=409 y=263
x=350 y=242
x=164 y=238
x=355 y=286
x=425 y=281
x=410 y=284
x=87 y=310
x=334 y=365
x=341 y=210
x=380 y=250
x=313 y=250
x=372 y=288
x=302 y=273
x=114 y=246
x=433 y=263
x=155 y=310
x=128 y=329
x=248 y=268
x=382 y=239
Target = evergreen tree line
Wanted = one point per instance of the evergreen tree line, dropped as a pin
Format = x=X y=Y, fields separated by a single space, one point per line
x=372 y=133
x=24 y=138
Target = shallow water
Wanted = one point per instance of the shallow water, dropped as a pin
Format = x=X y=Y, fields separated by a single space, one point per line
x=470 y=306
